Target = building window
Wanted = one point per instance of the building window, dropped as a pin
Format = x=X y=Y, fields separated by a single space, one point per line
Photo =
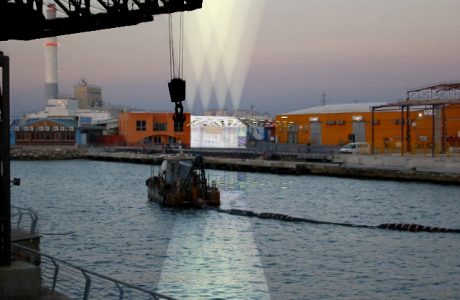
x=157 y=140
x=160 y=126
x=140 y=125
x=178 y=126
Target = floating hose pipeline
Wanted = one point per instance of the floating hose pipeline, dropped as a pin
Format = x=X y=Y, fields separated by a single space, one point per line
x=287 y=218
x=57 y=233
x=416 y=228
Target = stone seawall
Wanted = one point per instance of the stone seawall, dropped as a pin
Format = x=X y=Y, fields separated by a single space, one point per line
x=443 y=163
x=445 y=170
x=46 y=153
x=400 y=173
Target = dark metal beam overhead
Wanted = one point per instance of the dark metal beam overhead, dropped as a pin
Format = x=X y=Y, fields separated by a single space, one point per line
x=26 y=19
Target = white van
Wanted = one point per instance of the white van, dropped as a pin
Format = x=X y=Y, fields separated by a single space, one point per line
x=356 y=148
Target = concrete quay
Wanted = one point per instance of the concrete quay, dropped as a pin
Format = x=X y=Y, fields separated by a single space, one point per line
x=20 y=280
x=427 y=169
x=444 y=169
x=441 y=169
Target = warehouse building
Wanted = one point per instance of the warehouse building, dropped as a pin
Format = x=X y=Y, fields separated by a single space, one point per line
x=428 y=118
x=334 y=124
x=381 y=124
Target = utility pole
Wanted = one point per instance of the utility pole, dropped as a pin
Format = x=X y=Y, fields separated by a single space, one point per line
x=5 y=200
x=323 y=99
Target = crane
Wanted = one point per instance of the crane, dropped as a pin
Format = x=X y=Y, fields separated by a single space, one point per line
x=26 y=20
x=176 y=70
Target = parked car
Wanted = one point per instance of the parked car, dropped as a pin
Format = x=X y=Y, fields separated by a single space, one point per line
x=356 y=148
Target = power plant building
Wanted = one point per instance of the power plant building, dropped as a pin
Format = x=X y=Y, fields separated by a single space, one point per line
x=88 y=96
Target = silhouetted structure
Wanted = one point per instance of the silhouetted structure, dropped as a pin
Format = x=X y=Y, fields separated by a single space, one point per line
x=5 y=201
x=25 y=19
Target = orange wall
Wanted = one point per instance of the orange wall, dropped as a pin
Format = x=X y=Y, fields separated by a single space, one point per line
x=127 y=128
x=453 y=120
x=387 y=133
x=109 y=140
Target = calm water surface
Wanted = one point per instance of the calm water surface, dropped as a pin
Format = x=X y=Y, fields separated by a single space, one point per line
x=193 y=254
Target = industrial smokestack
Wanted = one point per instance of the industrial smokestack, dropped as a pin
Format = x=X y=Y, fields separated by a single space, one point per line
x=51 y=64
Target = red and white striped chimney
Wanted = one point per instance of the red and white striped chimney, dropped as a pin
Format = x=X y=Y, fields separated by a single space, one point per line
x=51 y=63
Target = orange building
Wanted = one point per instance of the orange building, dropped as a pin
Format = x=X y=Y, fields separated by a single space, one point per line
x=140 y=128
x=338 y=124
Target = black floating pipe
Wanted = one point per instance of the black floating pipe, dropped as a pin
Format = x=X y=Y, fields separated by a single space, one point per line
x=287 y=218
x=416 y=228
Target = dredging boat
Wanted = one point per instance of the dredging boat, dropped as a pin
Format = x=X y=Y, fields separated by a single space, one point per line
x=181 y=182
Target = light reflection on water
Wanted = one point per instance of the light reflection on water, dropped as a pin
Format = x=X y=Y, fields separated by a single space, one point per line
x=207 y=255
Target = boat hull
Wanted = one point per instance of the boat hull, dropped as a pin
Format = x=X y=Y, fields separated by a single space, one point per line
x=193 y=197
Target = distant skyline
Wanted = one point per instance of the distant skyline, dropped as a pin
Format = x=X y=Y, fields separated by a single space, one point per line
x=351 y=50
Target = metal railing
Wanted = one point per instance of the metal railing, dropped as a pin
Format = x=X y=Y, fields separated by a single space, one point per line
x=23 y=218
x=79 y=283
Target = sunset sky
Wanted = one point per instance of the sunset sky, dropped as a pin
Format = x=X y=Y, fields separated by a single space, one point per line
x=352 y=50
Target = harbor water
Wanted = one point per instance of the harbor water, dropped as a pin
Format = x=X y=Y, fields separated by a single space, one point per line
x=96 y=215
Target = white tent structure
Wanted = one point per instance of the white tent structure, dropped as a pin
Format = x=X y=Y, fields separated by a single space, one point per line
x=217 y=132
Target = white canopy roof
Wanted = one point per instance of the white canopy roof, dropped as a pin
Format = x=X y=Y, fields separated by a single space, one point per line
x=215 y=121
x=336 y=108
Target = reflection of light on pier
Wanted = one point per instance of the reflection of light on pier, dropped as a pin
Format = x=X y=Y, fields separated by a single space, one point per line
x=219 y=43
x=208 y=254
x=209 y=251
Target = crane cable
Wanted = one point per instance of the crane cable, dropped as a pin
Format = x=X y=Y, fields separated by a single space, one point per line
x=172 y=54
x=177 y=84
x=172 y=68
